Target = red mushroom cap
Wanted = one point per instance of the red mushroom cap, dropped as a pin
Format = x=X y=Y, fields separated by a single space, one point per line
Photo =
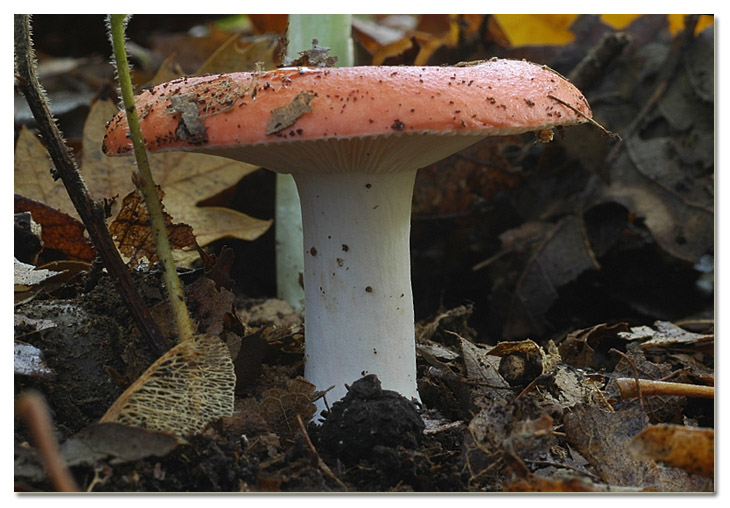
x=206 y=113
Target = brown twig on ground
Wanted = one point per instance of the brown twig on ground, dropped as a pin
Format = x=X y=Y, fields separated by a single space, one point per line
x=32 y=408
x=636 y=376
x=324 y=467
x=91 y=212
x=631 y=388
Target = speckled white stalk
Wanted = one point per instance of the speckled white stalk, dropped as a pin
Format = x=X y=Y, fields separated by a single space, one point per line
x=357 y=280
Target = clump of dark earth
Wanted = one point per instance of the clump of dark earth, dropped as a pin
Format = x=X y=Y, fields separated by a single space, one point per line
x=367 y=420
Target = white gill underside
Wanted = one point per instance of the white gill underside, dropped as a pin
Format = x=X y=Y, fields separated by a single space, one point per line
x=368 y=154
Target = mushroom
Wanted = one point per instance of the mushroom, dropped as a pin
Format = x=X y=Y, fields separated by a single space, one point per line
x=353 y=139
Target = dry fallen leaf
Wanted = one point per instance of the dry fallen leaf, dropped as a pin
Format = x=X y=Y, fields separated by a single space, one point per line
x=32 y=175
x=186 y=178
x=244 y=54
x=132 y=233
x=688 y=448
x=59 y=231
x=281 y=407
x=182 y=391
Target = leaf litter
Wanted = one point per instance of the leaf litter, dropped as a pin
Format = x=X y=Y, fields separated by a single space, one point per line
x=529 y=404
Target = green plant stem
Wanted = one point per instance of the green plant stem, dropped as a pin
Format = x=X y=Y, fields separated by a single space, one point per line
x=145 y=183
x=333 y=31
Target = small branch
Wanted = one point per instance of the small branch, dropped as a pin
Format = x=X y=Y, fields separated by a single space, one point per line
x=324 y=467
x=590 y=120
x=145 y=183
x=91 y=212
x=631 y=388
x=633 y=366
x=32 y=408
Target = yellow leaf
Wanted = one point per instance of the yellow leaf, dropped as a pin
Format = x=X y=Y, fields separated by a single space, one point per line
x=536 y=29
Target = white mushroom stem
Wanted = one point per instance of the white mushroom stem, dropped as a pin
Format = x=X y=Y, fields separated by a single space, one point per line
x=357 y=279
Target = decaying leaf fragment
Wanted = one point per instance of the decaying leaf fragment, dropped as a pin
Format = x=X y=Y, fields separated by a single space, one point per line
x=191 y=127
x=115 y=443
x=133 y=235
x=280 y=407
x=285 y=116
x=25 y=276
x=59 y=231
x=688 y=448
x=185 y=389
x=316 y=56
x=667 y=335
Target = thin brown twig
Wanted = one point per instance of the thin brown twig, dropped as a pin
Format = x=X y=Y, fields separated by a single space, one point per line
x=635 y=369
x=630 y=388
x=92 y=212
x=322 y=465
x=32 y=408
x=610 y=134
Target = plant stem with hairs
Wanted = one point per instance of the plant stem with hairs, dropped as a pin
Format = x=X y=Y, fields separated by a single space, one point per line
x=145 y=183
x=91 y=212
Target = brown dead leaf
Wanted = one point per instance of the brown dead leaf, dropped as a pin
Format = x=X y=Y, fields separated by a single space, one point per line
x=603 y=438
x=280 y=407
x=668 y=335
x=560 y=253
x=32 y=175
x=588 y=347
x=535 y=483
x=187 y=179
x=677 y=208
x=409 y=39
x=480 y=366
x=116 y=443
x=239 y=54
x=132 y=233
x=60 y=231
x=688 y=448
x=270 y=23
